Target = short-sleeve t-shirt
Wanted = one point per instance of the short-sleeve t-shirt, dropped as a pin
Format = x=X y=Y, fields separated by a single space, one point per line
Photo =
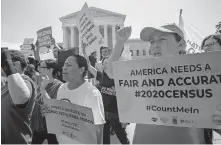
x=86 y=95
x=107 y=89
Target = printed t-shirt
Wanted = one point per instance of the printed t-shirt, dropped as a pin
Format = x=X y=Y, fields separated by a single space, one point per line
x=86 y=95
x=107 y=89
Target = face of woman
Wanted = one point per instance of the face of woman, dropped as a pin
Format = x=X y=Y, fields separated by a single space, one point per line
x=71 y=70
x=211 y=44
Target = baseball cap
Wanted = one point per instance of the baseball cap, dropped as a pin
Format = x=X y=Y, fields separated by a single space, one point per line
x=147 y=32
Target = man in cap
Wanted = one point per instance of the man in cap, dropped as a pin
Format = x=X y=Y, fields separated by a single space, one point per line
x=165 y=41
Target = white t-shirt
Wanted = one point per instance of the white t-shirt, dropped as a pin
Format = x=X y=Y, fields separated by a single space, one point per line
x=86 y=95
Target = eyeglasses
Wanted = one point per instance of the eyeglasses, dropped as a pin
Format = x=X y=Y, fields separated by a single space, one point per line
x=209 y=45
x=43 y=67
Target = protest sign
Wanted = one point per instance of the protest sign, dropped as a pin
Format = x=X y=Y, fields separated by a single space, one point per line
x=44 y=37
x=89 y=33
x=27 y=50
x=182 y=91
x=71 y=120
x=47 y=55
x=28 y=41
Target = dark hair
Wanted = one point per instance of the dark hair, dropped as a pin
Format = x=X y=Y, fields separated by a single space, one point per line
x=35 y=62
x=214 y=36
x=102 y=48
x=17 y=55
x=30 y=71
x=82 y=62
x=56 y=71
x=177 y=37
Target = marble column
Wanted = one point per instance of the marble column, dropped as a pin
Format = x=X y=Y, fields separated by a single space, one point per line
x=113 y=35
x=73 y=36
x=65 y=37
x=105 y=36
x=80 y=49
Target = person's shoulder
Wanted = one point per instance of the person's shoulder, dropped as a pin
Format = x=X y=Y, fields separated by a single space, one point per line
x=91 y=89
x=58 y=82
x=62 y=87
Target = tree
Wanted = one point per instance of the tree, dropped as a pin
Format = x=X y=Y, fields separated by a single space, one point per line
x=218 y=28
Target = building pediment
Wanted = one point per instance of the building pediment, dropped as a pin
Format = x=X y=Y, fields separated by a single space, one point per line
x=96 y=12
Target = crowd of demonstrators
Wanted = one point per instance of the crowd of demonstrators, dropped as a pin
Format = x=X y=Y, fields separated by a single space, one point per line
x=48 y=69
x=25 y=83
x=107 y=88
x=168 y=40
x=18 y=97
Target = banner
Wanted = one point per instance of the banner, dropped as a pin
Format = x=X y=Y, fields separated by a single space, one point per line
x=89 y=33
x=73 y=121
x=183 y=91
x=192 y=36
x=44 y=37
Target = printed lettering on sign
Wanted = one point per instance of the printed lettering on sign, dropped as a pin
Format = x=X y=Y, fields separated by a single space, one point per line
x=183 y=86
x=88 y=31
x=71 y=120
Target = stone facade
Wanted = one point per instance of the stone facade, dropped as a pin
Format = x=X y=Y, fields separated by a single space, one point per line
x=108 y=23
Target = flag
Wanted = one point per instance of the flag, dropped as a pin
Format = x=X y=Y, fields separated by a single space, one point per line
x=193 y=36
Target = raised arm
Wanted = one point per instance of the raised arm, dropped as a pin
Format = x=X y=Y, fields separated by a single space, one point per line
x=90 y=67
x=19 y=89
x=121 y=37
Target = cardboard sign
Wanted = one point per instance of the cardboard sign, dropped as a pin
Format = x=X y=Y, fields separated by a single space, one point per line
x=47 y=55
x=28 y=41
x=89 y=33
x=44 y=37
x=73 y=121
x=27 y=50
x=182 y=91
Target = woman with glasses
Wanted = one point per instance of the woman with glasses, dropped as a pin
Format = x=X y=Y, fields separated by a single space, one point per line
x=211 y=43
x=48 y=69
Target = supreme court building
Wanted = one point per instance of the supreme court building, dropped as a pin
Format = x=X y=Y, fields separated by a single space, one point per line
x=108 y=23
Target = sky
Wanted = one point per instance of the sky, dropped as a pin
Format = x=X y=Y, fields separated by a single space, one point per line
x=23 y=18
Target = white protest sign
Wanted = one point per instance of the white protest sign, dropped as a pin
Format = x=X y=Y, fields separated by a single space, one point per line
x=28 y=41
x=89 y=33
x=71 y=120
x=182 y=91
x=27 y=50
x=44 y=37
x=47 y=55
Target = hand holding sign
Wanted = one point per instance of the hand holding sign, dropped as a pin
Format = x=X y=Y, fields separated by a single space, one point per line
x=45 y=82
x=217 y=116
x=44 y=109
x=124 y=34
x=83 y=46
